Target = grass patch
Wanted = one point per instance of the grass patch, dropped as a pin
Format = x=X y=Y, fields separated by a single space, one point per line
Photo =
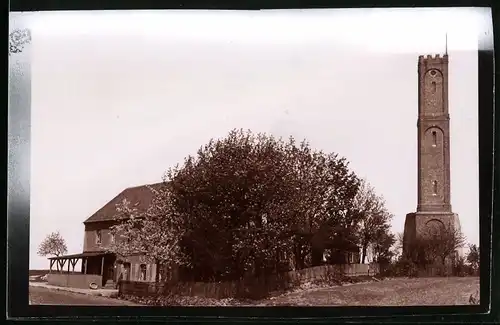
x=360 y=291
x=388 y=292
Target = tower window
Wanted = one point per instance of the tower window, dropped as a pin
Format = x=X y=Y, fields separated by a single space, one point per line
x=433 y=86
x=434 y=187
x=434 y=138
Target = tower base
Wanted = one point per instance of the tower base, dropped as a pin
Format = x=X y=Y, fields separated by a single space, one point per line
x=416 y=223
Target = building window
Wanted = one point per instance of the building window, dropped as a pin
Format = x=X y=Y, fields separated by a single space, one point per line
x=143 y=271
x=98 y=237
x=126 y=271
x=434 y=138
x=434 y=187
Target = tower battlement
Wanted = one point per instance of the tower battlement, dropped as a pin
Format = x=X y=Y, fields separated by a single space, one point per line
x=433 y=59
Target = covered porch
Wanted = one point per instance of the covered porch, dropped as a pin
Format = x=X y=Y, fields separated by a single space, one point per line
x=97 y=267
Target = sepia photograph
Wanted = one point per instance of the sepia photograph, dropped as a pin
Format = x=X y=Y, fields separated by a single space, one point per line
x=252 y=158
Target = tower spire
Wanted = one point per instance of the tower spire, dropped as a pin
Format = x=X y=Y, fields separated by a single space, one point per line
x=446 y=44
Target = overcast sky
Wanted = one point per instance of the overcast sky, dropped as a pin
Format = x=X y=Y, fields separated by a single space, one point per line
x=119 y=97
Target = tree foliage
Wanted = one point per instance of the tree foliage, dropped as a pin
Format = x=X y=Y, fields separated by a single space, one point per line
x=322 y=204
x=435 y=250
x=473 y=257
x=54 y=244
x=252 y=204
x=441 y=242
x=374 y=220
x=382 y=245
x=153 y=235
x=398 y=245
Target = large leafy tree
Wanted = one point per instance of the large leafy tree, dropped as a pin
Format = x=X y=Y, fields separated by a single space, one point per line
x=251 y=203
x=248 y=204
x=234 y=200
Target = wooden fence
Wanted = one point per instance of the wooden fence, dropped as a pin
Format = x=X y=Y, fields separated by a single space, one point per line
x=248 y=288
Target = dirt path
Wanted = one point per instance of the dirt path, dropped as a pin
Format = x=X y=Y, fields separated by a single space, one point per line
x=44 y=296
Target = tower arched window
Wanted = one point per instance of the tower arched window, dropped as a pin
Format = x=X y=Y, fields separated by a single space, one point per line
x=434 y=187
x=434 y=138
x=433 y=86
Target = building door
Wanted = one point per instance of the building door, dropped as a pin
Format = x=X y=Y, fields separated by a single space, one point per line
x=111 y=272
x=126 y=271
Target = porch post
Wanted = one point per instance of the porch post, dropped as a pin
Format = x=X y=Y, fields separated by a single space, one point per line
x=62 y=262
x=68 y=275
x=102 y=266
x=85 y=265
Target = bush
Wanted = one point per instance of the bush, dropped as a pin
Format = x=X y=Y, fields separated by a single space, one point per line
x=406 y=267
x=460 y=268
x=401 y=267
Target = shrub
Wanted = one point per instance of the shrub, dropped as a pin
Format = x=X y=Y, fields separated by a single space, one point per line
x=402 y=267
x=460 y=268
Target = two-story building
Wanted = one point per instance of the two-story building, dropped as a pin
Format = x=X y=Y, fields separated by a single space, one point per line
x=99 y=267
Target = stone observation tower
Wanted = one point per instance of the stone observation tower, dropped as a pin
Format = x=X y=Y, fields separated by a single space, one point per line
x=433 y=152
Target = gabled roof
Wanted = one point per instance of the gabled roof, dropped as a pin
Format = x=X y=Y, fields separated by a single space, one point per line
x=139 y=196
